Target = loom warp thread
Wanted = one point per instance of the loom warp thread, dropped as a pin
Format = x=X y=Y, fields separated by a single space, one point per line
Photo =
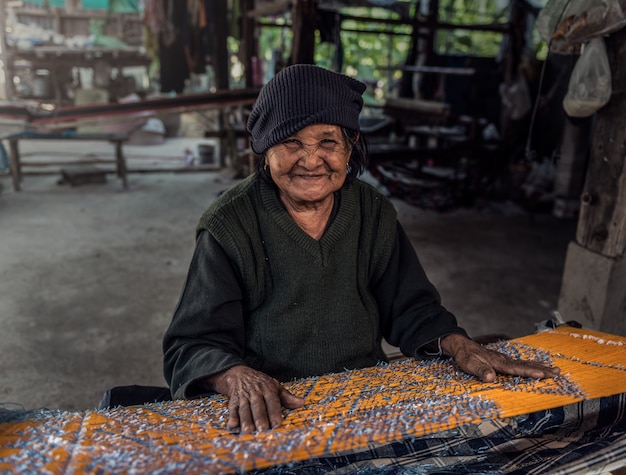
x=344 y=412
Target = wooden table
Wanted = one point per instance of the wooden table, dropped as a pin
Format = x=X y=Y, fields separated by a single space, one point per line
x=117 y=139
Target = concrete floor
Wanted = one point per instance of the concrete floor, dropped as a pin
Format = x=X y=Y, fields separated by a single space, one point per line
x=90 y=274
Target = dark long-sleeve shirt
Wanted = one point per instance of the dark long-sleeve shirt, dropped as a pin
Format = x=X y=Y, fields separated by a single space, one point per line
x=207 y=333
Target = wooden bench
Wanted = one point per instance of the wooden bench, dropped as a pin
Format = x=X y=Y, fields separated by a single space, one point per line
x=117 y=139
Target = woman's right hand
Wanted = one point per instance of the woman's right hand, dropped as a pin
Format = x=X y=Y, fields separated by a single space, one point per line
x=256 y=399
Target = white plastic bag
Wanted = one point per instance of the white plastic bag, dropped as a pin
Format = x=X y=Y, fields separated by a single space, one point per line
x=565 y=23
x=516 y=98
x=590 y=83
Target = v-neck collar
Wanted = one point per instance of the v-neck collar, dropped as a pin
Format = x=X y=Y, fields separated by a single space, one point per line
x=341 y=219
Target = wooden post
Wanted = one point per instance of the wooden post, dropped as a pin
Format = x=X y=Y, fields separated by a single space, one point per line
x=415 y=52
x=515 y=43
x=220 y=62
x=6 y=63
x=602 y=223
x=219 y=55
x=248 y=41
x=120 y=163
x=14 y=162
x=593 y=291
x=303 y=27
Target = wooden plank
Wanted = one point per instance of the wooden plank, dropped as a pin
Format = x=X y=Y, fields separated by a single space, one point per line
x=182 y=103
x=303 y=27
x=602 y=219
x=277 y=7
x=82 y=175
x=433 y=25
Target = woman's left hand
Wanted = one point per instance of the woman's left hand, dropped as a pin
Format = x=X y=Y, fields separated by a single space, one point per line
x=475 y=359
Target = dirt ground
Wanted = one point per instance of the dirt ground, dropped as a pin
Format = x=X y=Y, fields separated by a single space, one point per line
x=90 y=276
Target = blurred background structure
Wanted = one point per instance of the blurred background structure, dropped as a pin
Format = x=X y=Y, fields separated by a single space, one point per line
x=517 y=206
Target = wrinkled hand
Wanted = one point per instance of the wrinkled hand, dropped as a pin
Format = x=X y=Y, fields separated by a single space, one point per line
x=475 y=359
x=256 y=399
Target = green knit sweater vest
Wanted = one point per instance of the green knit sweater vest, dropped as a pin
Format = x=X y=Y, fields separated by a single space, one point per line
x=308 y=304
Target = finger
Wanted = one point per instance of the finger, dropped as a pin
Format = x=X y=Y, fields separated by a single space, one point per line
x=483 y=370
x=246 y=419
x=479 y=363
x=504 y=364
x=553 y=371
x=486 y=364
x=260 y=413
x=290 y=401
x=274 y=409
x=529 y=369
x=233 y=415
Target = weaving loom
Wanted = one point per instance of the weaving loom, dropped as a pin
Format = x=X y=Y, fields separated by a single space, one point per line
x=409 y=416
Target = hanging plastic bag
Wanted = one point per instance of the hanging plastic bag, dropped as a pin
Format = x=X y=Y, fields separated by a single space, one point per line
x=566 y=23
x=590 y=83
x=516 y=98
x=549 y=17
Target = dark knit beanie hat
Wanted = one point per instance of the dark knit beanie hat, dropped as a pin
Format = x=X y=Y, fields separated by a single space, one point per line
x=299 y=96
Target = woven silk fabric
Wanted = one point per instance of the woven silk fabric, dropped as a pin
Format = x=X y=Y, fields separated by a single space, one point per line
x=349 y=413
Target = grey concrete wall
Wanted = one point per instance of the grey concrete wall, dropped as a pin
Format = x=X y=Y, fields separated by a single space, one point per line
x=592 y=291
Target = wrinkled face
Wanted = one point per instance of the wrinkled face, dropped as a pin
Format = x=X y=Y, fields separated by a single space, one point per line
x=310 y=165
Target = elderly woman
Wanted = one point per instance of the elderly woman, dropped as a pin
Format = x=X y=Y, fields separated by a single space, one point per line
x=301 y=269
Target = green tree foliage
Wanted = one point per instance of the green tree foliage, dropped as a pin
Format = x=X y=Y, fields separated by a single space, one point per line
x=470 y=12
x=376 y=50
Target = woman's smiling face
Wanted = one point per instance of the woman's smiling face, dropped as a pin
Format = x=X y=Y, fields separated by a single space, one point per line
x=311 y=165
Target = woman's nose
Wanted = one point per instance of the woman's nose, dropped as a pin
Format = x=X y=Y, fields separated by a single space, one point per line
x=311 y=159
